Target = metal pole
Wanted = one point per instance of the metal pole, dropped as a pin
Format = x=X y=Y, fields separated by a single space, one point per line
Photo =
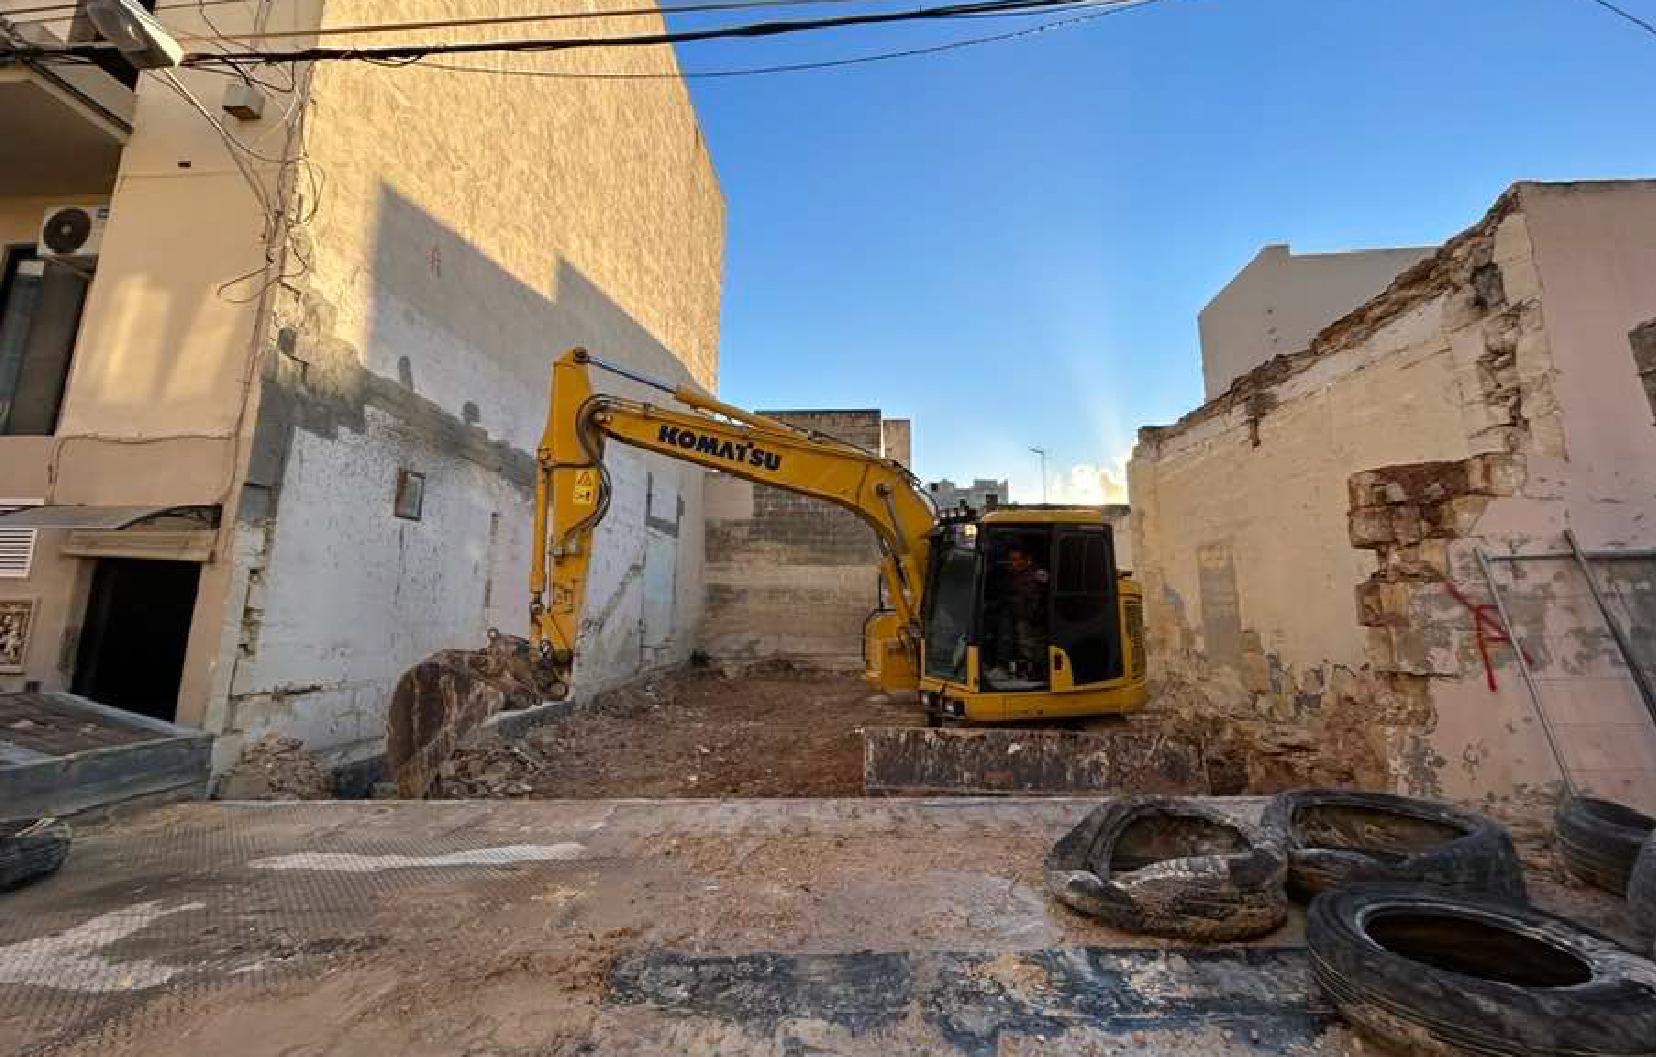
x=1523 y=666
x=1630 y=554
x=1043 y=454
x=1640 y=679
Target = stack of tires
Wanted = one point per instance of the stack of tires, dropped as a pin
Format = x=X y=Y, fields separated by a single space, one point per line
x=1419 y=927
x=1613 y=847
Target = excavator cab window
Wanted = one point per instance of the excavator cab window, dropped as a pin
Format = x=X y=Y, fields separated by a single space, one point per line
x=1017 y=594
x=1084 y=603
x=951 y=604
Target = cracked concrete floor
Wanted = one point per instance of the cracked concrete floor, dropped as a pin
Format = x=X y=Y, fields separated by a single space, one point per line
x=504 y=928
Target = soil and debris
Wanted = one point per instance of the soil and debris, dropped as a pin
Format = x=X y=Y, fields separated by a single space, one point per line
x=276 y=768
x=773 y=732
x=786 y=731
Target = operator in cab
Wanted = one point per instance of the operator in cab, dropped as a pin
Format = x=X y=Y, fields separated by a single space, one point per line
x=1021 y=635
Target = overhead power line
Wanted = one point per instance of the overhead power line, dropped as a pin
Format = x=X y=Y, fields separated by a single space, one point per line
x=506 y=20
x=663 y=9
x=411 y=52
x=1643 y=24
x=793 y=67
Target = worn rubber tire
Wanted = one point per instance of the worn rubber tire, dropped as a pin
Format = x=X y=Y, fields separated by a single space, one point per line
x=1599 y=839
x=1210 y=877
x=24 y=859
x=1641 y=896
x=1567 y=991
x=1406 y=841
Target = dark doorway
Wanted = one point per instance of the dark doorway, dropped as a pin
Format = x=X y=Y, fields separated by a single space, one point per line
x=137 y=626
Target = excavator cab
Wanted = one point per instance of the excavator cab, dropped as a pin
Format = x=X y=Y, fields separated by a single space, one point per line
x=1026 y=616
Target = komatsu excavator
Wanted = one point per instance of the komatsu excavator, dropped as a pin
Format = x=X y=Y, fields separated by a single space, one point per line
x=1012 y=614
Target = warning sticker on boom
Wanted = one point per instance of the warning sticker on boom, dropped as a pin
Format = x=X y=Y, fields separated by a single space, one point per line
x=585 y=488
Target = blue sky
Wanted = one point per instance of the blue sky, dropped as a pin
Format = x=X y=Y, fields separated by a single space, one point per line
x=1009 y=244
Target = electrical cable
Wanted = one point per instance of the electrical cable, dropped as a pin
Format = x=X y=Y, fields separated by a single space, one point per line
x=1643 y=24
x=795 y=67
x=502 y=20
x=740 y=30
x=661 y=9
x=168 y=78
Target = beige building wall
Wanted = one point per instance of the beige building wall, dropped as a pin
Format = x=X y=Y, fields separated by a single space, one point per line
x=160 y=384
x=449 y=235
x=472 y=228
x=1281 y=299
x=787 y=575
x=1303 y=538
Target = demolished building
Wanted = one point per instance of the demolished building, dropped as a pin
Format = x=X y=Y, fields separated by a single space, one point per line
x=1333 y=548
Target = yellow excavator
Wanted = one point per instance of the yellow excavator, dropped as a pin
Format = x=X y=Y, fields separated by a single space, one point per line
x=1013 y=614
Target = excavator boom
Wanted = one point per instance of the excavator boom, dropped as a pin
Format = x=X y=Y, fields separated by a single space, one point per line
x=573 y=490
x=973 y=650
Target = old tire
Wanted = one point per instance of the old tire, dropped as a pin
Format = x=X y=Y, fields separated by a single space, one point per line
x=1641 y=896
x=1444 y=973
x=27 y=858
x=1599 y=839
x=1336 y=837
x=1169 y=867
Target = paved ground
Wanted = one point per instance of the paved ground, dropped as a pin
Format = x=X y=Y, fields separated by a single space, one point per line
x=517 y=928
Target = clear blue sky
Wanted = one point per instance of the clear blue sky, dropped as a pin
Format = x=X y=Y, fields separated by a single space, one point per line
x=1009 y=244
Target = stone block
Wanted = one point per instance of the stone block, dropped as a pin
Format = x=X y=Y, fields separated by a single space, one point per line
x=1458 y=517
x=1484 y=413
x=1365 y=488
x=1495 y=440
x=1421 y=651
x=1512 y=241
x=1377 y=649
x=1370 y=528
x=1520 y=279
x=1383 y=603
x=1467 y=346
x=1494 y=474
x=1424 y=560
x=1408 y=524
x=1532 y=356
x=1461 y=308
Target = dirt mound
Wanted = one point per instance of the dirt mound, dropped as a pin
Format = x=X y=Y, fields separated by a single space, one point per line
x=693 y=733
x=276 y=768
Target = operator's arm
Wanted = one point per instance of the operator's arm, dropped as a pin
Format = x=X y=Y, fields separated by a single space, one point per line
x=572 y=487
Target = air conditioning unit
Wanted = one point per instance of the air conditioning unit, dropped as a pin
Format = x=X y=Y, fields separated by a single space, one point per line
x=72 y=233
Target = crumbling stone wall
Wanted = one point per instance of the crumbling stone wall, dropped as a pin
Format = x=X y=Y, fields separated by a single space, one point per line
x=1643 y=340
x=1424 y=425
x=787 y=575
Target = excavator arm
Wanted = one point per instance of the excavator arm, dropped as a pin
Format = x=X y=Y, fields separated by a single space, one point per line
x=573 y=492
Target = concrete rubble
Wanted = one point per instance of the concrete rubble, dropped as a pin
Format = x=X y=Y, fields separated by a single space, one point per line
x=276 y=768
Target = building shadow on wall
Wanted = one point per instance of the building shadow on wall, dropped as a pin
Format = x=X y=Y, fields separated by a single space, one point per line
x=436 y=295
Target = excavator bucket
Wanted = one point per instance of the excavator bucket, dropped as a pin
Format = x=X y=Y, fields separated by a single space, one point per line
x=445 y=697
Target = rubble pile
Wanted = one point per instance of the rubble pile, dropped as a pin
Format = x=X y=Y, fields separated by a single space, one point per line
x=439 y=702
x=490 y=766
x=276 y=768
x=493 y=770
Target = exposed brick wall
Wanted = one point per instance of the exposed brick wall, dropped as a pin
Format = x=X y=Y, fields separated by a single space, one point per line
x=1484 y=402
x=788 y=575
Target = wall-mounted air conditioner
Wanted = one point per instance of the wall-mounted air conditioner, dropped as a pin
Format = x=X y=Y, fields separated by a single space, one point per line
x=72 y=233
